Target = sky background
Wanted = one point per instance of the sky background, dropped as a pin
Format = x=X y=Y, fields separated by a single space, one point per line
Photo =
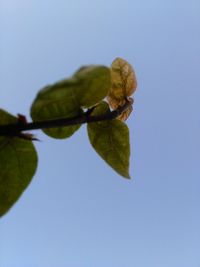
x=77 y=211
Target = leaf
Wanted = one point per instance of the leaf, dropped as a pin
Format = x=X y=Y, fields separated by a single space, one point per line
x=110 y=139
x=55 y=102
x=124 y=116
x=123 y=85
x=18 y=163
x=66 y=98
x=94 y=83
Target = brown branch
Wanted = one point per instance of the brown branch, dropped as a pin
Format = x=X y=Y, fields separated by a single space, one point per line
x=17 y=128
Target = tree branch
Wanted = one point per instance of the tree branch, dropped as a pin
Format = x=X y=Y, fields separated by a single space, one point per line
x=17 y=128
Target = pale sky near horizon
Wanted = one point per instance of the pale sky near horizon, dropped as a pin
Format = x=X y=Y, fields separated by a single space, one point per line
x=77 y=211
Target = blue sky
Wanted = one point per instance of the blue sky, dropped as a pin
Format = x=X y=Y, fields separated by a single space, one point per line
x=77 y=212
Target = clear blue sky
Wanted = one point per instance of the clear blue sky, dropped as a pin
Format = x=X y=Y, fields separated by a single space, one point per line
x=77 y=212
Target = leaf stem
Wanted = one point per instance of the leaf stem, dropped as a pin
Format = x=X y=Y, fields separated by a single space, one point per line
x=16 y=128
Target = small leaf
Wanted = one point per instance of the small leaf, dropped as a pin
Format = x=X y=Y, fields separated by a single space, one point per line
x=94 y=83
x=123 y=85
x=56 y=102
x=124 y=116
x=110 y=139
x=18 y=163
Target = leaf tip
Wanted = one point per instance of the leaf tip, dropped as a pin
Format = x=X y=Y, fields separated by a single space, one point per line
x=127 y=176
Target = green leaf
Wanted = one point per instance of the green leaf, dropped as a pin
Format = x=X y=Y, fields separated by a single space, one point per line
x=18 y=163
x=93 y=84
x=65 y=99
x=55 y=102
x=110 y=139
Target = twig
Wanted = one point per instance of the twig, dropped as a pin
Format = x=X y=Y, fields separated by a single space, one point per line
x=16 y=128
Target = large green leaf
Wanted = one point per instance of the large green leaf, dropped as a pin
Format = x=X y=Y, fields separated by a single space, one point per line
x=94 y=83
x=18 y=163
x=88 y=86
x=55 y=102
x=110 y=139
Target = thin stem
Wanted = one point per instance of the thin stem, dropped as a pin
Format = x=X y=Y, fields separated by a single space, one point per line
x=17 y=128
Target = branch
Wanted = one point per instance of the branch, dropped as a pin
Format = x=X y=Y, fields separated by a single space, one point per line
x=17 y=128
